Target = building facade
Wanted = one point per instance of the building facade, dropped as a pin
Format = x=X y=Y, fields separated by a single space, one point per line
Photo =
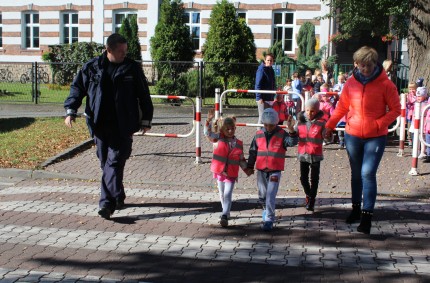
x=27 y=28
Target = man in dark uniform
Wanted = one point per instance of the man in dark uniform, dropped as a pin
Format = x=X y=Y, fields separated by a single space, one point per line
x=118 y=104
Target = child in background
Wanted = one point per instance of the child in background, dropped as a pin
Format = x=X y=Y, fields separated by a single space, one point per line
x=340 y=83
x=427 y=130
x=421 y=97
x=267 y=154
x=311 y=130
x=325 y=103
x=227 y=157
x=288 y=85
x=281 y=107
x=318 y=83
x=410 y=100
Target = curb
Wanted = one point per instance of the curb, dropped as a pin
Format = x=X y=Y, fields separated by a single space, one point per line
x=68 y=152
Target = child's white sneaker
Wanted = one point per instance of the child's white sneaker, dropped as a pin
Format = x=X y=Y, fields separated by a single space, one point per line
x=421 y=156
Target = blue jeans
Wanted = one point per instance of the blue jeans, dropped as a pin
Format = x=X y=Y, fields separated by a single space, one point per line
x=364 y=158
x=268 y=184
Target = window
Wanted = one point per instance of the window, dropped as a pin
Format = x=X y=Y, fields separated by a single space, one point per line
x=69 y=27
x=31 y=30
x=1 y=31
x=192 y=20
x=283 y=27
x=119 y=16
x=241 y=15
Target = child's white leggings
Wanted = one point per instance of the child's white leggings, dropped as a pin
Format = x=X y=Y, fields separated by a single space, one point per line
x=225 y=194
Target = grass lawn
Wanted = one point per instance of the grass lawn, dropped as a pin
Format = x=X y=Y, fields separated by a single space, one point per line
x=25 y=143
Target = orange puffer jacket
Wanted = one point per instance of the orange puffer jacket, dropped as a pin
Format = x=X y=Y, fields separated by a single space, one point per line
x=370 y=108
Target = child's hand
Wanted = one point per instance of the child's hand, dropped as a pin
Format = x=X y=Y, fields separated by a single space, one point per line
x=290 y=123
x=211 y=114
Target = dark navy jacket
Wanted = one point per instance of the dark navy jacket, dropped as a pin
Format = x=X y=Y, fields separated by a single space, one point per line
x=265 y=80
x=133 y=103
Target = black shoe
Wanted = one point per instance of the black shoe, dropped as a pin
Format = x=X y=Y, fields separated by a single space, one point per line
x=366 y=222
x=120 y=204
x=223 y=221
x=310 y=205
x=426 y=159
x=355 y=214
x=105 y=213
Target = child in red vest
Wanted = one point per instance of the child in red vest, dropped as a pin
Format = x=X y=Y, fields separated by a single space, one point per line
x=267 y=153
x=311 y=130
x=227 y=158
x=281 y=107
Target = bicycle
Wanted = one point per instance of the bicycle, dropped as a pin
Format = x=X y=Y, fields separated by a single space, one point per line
x=6 y=75
x=42 y=76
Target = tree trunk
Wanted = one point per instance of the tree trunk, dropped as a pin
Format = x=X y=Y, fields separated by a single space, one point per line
x=419 y=41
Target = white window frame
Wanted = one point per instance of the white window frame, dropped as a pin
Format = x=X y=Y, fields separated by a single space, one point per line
x=284 y=26
x=31 y=25
x=126 y=12
x=192 y=25
x=1 y=30
x=69 y=25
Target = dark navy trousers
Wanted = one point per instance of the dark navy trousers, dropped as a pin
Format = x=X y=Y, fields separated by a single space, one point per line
x=112 y=151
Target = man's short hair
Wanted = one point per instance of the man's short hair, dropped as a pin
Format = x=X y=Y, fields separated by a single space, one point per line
x=115 y=39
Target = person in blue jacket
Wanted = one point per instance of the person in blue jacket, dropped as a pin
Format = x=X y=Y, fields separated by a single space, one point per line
x=118 y=104
x=265 y=80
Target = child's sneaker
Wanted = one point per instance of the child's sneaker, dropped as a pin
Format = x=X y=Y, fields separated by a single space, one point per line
x=223 y=221
x=422 y=155
x=267 y=226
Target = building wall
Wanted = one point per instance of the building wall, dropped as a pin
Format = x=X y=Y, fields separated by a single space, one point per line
x=96 y=18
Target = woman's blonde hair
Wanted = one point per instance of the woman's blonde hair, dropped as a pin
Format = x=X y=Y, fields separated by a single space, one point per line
x=366 y=54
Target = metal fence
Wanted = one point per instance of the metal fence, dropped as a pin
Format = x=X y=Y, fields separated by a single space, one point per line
x=36 y=82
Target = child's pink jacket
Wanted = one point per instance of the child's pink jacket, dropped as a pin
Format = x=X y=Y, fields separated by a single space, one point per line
x=410 y=101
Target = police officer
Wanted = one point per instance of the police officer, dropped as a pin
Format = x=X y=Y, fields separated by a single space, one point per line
x=118 y=104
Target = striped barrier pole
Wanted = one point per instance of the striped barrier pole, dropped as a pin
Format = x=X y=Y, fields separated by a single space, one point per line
x=198 y=120
x=168 y=135
x=415 y=144
x=217 y=100
x=402 y=135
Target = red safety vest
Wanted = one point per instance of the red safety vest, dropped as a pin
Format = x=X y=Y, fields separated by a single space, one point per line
x=225 y=159
x=270 y=157
x=310 y=141
x=281 y=108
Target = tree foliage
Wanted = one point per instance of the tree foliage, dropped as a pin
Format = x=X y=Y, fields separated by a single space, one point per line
x=171 y=42
x=306 y=40
x=134 y=50
x=404 y=19
x=229 y=41
x=68 y=58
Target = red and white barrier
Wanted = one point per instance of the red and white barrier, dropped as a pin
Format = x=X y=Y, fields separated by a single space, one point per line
x=198 y=119
x=402 y=136
x=416 y=140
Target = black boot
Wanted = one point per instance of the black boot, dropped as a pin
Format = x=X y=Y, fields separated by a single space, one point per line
x=366 y=222
x=355 y=213
x=310 y=204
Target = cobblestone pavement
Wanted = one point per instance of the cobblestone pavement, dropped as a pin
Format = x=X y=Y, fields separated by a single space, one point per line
x=169 y=231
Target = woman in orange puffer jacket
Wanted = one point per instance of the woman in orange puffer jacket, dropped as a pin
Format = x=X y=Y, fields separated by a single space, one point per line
x=372 y=103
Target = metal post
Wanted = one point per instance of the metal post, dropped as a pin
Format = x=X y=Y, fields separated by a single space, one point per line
x=198 y=120
x=416 y=141
x=217 y=95
x=402 y=132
